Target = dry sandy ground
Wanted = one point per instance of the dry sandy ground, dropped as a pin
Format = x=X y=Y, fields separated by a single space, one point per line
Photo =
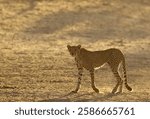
x=36 y=66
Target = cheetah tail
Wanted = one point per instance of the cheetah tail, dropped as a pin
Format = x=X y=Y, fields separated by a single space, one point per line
x=125 y=76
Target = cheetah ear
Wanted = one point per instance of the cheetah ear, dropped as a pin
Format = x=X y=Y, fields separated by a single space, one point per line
x=79 y=46
x=68 y=46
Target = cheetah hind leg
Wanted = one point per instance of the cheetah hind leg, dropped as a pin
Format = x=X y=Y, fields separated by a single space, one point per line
x=119 y=83
x=120 y=87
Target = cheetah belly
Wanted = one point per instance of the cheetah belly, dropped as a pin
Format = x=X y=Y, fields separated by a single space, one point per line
x=99 y=66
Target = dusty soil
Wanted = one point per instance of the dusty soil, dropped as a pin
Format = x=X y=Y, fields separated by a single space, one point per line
x=36 y=66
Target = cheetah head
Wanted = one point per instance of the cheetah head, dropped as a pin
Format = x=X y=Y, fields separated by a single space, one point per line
x=73 y=50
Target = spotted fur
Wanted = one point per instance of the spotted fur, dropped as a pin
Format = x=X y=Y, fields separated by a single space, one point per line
x=93 y=59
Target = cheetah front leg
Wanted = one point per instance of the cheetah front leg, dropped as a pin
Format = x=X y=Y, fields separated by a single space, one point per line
x=80 y=72
x=92 y=81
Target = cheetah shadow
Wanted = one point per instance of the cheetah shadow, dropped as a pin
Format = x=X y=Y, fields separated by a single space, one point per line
x=81 y=97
